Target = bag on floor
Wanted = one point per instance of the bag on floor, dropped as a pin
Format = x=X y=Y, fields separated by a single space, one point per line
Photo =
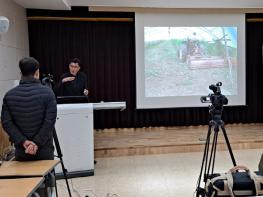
x=235 y=183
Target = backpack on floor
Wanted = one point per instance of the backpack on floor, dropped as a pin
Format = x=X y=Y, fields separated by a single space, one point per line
x=235 y=183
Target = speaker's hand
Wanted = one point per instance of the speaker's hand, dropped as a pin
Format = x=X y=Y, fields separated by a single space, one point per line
x=67 y=79
x=86 y=92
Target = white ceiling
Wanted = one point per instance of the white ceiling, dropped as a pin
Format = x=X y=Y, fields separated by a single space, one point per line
x=66 y=4
x=44 y=4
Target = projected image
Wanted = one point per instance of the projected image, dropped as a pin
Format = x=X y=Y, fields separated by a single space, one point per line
x=184 y=61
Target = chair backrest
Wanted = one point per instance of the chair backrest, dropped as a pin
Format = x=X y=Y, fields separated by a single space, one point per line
x=4 y=141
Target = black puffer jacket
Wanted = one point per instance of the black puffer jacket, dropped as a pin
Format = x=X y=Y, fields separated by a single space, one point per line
x=29 y=112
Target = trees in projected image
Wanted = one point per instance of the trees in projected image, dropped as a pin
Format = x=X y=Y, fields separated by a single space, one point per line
x=181 y=61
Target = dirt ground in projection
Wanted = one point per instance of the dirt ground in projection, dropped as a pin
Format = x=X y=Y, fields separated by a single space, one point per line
x=167 y=75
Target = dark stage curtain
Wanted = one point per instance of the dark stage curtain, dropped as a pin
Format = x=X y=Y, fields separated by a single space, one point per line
x=107 y=52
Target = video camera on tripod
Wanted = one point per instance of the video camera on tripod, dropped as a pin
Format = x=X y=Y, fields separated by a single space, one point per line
x=217 y=99
x=47 y=80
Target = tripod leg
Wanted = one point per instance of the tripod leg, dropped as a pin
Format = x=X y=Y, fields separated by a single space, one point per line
x=212 y=154
x=199 y=190
x=61 y=160
x=206 y=159
x=228 y=146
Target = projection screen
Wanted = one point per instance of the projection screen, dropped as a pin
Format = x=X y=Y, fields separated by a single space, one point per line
x=179 y=55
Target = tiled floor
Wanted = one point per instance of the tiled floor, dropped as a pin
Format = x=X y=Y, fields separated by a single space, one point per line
x=166 y=175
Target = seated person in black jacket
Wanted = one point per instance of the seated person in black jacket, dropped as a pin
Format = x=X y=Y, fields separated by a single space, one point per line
x=72 y=83
x=29 y=113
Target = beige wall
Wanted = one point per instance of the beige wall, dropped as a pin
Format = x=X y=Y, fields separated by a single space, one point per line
x=13 y=45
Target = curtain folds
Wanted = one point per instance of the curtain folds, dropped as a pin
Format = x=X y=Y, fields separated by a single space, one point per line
x=107 y=53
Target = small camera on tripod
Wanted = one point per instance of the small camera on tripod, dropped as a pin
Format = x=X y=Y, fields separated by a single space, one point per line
x=217 y=100
x=47 y=80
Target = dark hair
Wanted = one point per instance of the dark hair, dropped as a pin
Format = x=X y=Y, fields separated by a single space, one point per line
x=28 y=66
x=75 y=60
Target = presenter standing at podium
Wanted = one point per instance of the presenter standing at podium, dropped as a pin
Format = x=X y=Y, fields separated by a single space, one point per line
x=74 y=82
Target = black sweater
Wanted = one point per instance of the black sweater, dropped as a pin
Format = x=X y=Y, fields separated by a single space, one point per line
x=72 y=88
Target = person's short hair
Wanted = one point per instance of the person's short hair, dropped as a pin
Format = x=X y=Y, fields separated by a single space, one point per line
x=28 y=66
x=75 y=60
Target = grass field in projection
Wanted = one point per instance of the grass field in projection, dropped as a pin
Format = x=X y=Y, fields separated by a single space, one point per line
x=187 y=66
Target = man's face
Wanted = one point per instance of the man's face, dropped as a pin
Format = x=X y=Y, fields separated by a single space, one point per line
x=74 y=68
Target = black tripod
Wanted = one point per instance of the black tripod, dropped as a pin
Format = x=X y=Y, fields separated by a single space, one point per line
x=64 y=170
x=48 y=81
x=208 y=162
